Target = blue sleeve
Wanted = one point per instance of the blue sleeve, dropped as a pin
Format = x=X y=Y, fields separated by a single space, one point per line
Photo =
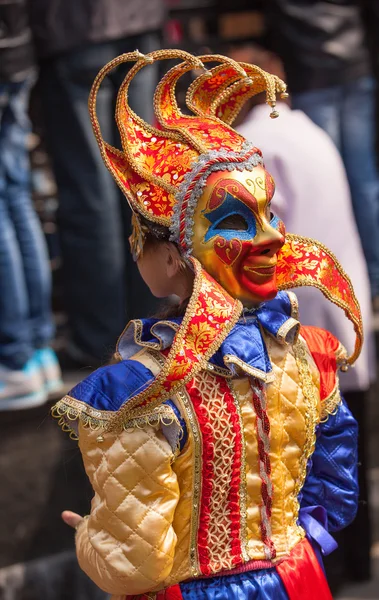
x=332 y=477
x=110 y=386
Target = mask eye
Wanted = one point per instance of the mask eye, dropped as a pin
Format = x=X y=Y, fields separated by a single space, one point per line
x=233 y=223
x=269 y=214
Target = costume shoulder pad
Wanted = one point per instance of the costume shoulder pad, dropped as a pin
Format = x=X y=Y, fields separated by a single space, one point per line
x=96 y=400
x=328 y=354
x=111 y=386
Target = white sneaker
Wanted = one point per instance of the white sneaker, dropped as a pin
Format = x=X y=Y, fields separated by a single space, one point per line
x=50 y=369
x=23 y=388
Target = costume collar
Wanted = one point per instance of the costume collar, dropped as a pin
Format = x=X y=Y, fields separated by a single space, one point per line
x=243 y=349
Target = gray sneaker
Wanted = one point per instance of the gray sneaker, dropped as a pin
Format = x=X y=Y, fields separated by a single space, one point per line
x=23 y=388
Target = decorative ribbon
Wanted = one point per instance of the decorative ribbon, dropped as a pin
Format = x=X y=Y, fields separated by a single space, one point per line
x=314 y=520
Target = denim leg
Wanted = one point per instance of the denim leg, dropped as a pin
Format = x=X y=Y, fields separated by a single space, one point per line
x=358 y=151
x=323 y=108
x=25 y=221
x=16 y=345
x=90 y=224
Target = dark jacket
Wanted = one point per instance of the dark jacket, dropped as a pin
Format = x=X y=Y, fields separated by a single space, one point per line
x=321 y=43
x=16 y=48
x=61 y=25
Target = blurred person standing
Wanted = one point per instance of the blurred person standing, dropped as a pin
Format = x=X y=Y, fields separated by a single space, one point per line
x=323 y=48
x=312 y=196
x=28 y=367
x=74 y=39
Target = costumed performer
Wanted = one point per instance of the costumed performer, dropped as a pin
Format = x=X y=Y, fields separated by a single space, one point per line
x=219 y=448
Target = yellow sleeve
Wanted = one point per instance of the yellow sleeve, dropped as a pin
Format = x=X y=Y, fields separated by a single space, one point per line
x=127 y=544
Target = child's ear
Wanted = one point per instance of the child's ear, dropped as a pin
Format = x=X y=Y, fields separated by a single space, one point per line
x=172 y=260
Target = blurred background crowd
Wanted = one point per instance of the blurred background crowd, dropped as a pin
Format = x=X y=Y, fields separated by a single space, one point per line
x=68 y=285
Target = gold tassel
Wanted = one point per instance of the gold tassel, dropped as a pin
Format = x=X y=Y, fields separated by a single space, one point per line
x=137 y=238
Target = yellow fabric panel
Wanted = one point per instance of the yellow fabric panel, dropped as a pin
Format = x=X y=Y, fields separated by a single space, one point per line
x=292 y=427
x=242 y=389
x=127 y=544
x=184 y=470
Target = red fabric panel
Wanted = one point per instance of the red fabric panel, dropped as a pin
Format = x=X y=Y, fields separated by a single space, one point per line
x=206 y=478
x=171 y=593
x=303 y=576
x=323 y=347
x=234 y=490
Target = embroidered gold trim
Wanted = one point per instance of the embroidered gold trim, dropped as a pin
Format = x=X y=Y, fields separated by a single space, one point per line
x=311 y=397
x=307 y=280
x=158 y=358
x=216 y=370
x=138 y=328
x=341 y=354
x=70 y=409
x=132 y=409
x=243 y=481
x=153 y=349
x=197 y=470
x=284 y=330
x=214 y=404
x=294 y=305
x=265 y=377
x=331 y=404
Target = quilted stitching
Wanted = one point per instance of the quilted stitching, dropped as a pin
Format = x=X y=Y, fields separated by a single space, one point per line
x=332 y=482
x=287 y=413
x=136 y=492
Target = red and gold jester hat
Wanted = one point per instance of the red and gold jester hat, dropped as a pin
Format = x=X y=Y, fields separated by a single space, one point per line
x=183 y=175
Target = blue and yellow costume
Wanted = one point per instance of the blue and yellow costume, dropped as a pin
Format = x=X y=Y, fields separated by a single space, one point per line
x=220 y=451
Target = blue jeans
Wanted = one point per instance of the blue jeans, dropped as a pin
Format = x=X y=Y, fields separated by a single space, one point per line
x=102 y=288
x=25 y=316
x=347 y=114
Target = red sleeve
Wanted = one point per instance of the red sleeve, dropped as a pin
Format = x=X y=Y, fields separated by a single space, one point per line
x=324 y=348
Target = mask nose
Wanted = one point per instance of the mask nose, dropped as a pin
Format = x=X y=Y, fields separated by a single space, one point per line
x=269 y=242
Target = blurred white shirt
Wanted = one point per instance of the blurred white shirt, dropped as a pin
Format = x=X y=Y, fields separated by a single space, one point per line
x=313 y=198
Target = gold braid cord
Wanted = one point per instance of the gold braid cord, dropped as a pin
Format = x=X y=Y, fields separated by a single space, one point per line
x=306 y=262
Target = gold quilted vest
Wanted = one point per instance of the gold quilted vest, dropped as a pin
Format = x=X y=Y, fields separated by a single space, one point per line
x=244 y=462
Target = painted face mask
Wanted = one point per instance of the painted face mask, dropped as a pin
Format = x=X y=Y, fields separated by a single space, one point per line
x=200 y=179
x=236 y=235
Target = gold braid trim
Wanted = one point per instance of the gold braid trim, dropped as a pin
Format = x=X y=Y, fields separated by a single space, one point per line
x=69 y=411
x=291 y=325
x=252 y=371
x=195 y=432
x=294 y=305
x=311 y=397
x=331 y=404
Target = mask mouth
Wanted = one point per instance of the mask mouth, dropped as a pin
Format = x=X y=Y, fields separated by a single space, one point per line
x=257 y=261
x=263 y=271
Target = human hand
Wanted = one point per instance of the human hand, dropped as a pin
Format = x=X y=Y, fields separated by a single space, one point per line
x=72 y=519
